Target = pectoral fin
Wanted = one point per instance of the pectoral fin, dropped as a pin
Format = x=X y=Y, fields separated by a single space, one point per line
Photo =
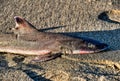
x=45 y=57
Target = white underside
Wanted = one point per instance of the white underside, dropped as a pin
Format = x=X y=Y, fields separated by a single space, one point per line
x=25 y=52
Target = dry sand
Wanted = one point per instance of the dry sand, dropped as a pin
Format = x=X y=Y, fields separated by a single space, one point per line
x=96 y=19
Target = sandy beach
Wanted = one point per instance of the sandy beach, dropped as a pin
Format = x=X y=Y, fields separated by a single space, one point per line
x=95 y=19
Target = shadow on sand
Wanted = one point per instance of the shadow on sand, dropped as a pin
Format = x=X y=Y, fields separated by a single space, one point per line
x=26 y=68
x=110 y=37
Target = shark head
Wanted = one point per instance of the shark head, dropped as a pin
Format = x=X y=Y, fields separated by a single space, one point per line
x=23 y=26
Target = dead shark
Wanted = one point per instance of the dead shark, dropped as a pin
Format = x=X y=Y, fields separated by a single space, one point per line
x=27 y=40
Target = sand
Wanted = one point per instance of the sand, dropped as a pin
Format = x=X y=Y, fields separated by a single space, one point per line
x=96 y=19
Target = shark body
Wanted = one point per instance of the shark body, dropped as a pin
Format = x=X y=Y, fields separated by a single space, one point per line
x=27 y=40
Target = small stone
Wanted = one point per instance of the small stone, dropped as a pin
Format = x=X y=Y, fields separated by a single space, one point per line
x=102 y=78
x=78 y=79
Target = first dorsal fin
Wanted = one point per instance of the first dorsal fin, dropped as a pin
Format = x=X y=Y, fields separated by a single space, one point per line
x=19 y=20
x=23 y=26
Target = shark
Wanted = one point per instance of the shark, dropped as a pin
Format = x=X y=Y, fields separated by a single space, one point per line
x=27 y=40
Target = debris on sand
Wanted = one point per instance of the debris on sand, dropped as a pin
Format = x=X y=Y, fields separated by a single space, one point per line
x=114 y=15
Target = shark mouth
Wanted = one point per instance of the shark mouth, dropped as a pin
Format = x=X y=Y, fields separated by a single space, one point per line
x=89 y=51
x=98 y=48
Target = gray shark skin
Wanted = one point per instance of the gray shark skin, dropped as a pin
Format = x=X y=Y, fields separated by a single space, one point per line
x=27 y=40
